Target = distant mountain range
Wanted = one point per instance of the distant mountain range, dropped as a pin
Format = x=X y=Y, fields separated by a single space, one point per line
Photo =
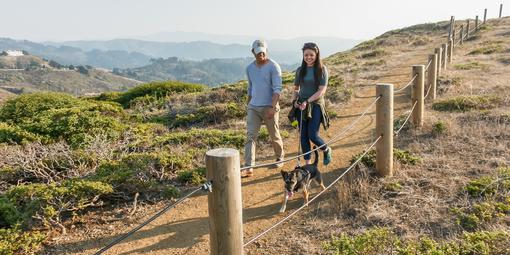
x=212 y=72
x=205 y=46
x=75 y=56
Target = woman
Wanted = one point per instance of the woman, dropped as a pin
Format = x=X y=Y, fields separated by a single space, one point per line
x=310 y=85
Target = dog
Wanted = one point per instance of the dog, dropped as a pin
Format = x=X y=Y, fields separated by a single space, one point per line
x=301 y=178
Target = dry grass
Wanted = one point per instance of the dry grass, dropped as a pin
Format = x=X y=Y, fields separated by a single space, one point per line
x=418 y=200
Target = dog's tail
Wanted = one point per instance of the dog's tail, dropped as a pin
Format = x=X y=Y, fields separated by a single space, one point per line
x=316 y=152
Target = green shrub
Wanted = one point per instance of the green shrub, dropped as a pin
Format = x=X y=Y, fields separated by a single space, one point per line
x=404 y=157
x=76 y=125
x=484 y=186
x=26 y=106
x=374 y=53
x=472 y=65
x=204 y=138
x=170 y=192
x=439 y=128
x=472 y=218
x=383 y=241
x=9 y=214
x=374 y=241
x=54 y=116
x=15 y=135
x=142 y=172
x=368 y=159
x=216 y=113
x=488 y=186
x=109 y=96
x=341 y=58
x=379 y=62
x=48 y=202
x=158 y=89
x=15 y=241
x=488 y=48
x=288 y=77
x=195 y=176
x=367 y=45
x=466 y=103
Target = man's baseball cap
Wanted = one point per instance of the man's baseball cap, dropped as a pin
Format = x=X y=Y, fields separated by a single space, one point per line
x=259 y=46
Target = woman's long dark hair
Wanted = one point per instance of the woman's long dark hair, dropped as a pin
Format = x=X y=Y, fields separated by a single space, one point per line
x=317 y=66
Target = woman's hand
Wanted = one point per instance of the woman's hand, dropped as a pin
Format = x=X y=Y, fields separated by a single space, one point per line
x=302 y=106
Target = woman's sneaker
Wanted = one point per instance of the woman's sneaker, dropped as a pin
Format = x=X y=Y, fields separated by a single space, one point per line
x=327 y=156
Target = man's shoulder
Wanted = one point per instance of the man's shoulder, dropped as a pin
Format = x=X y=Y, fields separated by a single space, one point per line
x=250 y=65
x=274 y=63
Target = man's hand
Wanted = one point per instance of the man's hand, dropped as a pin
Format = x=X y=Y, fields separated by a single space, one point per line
x=270 y=112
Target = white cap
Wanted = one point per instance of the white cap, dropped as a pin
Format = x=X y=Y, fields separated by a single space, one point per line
x=259 y=46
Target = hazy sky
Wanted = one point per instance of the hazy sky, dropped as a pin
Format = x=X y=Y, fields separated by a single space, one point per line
x=41 y=20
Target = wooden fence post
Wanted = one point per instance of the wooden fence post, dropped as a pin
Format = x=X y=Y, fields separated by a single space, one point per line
x=462 y=34
x=450 y=51
x=432 y=79
x=500 y=10
x=445 y=56
x=439 y=52
x=384 y=128
x=225 y=202
x=452 y=26
x=453 y=36
x=476 y=23
x=417 y=95
x=484 y=15
x=467 y=30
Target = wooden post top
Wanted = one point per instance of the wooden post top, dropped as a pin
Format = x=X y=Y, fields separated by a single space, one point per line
x=222 y=153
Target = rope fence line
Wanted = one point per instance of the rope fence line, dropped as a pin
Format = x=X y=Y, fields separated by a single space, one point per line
x=206 y=186
x=315 y=197
x=428 y=65
x=407 y=85
x=428 y=91
x=407 y=119
x=332 y=140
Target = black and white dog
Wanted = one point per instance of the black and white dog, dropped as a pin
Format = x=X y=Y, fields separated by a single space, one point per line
x=301 y=178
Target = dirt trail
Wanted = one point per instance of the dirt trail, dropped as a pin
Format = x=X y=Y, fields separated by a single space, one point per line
x=185 y=230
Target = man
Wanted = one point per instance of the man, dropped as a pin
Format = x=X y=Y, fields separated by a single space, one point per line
x=264 y=87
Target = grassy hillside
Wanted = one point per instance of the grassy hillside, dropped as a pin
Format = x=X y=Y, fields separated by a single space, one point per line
x=31 y=73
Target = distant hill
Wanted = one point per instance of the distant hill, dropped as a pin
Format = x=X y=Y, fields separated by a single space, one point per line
x=212 y=72
x=75 y=56
x=31 y=73
x=286 y=51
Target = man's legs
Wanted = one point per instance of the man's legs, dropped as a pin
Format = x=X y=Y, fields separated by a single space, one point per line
x=253 y=122
x=273 y=128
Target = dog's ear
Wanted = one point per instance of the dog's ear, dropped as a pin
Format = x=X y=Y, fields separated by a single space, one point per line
x=284 y=173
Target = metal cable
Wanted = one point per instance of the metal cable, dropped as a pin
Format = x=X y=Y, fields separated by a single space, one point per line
x=407 y=119
x=334 y=139
x=315 y=197
x=407 y=85
x=205 y=186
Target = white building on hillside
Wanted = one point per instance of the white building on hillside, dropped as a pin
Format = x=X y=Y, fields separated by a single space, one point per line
x=14 y=53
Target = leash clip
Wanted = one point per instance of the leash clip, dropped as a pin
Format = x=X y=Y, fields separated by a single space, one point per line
x=207 y=186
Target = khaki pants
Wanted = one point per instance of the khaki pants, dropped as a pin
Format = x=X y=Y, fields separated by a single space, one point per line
x=256 y=116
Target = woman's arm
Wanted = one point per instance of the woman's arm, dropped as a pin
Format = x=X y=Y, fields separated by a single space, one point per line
x=320 y=92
